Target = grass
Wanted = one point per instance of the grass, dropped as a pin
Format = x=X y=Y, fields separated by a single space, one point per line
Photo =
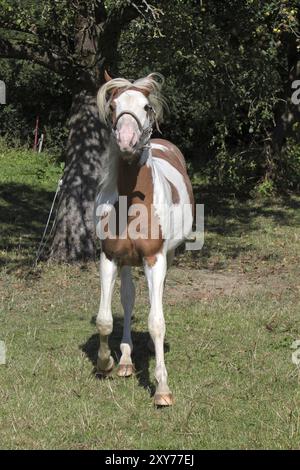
x=232 y=313
x=27 y=182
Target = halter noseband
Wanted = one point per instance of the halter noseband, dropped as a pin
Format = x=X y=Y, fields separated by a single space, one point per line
x=131 y=114
x=145 y=132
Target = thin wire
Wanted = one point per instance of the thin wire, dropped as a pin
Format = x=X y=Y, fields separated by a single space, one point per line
x=42 y=244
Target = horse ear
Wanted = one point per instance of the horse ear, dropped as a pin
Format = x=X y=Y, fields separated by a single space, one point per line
x=107 y=77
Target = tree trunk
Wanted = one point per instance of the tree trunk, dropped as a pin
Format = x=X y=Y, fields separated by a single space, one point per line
x=74 y=237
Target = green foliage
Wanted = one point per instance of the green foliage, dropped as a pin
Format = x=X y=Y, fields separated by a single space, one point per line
x=223 y=65
x=288 y=176
x=265 y=189
x=33 y=91
x=227 y=67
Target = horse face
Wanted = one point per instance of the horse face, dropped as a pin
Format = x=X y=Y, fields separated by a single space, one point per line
x=131 y=117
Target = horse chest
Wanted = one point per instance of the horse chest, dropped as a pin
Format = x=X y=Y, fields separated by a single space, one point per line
x=136 y=238
x=132 y=253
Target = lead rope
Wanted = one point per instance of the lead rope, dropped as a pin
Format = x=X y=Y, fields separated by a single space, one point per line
x=42 y=243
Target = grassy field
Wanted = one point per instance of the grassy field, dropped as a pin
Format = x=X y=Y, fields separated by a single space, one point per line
x=232 y=313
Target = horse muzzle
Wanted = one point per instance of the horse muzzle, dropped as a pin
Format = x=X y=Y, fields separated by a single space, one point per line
x=127 y=141
x=130 y=135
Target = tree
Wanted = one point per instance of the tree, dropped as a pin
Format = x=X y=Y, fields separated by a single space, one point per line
x=229 y=67
x=228 y=72
x=76 y=39
x=286 y=26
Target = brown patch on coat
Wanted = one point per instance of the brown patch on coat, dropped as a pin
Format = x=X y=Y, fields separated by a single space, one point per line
x=136 y=183
x=150 y=261
x=143 y=91
x=174 y=193
x=116 y=92
x=176 y=159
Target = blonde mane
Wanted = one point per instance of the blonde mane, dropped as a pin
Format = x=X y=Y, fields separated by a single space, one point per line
x=151 y=84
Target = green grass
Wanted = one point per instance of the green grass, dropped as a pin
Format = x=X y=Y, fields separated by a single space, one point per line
x=232 y=313
x=27 y=184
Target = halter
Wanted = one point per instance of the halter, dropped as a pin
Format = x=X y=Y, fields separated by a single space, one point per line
x=146 y=132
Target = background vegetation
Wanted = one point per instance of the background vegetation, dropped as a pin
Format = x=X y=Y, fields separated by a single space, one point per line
x=232 y=309
x=229 y=67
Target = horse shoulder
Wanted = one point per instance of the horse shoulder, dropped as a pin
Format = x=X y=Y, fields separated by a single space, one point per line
x=167 y=151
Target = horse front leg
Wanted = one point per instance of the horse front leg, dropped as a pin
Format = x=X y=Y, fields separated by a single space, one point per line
x=104 y=320
x=155 y=276
x=127 y=299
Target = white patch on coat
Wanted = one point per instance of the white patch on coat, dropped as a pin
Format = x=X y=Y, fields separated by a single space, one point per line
x=176 y=220
x=160 y=147
x=134 y=101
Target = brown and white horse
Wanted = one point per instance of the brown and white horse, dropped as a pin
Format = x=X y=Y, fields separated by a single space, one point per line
x=152 y=175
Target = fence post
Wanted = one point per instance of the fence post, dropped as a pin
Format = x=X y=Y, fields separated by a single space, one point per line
x=36 y=134
x=2 y=92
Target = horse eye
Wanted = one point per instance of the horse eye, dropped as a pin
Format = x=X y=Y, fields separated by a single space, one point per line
x=147 y=107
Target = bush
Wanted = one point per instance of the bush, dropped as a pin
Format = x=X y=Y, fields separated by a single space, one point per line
x=288 y=175
x=33 y=91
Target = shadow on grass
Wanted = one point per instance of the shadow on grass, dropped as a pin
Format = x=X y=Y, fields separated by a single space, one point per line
x=231 y=219
x=23 y=214
x=141 y=354
x=236 y=215
x=24 y=210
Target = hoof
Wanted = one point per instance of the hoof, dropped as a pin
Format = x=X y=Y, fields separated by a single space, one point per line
x=105 y=372
x=163 y=399
x=125 y=370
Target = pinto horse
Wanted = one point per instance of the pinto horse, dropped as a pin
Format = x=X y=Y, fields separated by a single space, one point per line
x=151 y=175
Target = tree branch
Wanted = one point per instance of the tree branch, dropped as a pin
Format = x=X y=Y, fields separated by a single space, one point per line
x=32 y=52
x=118 y=18
x=149 y=9
x=15 y=29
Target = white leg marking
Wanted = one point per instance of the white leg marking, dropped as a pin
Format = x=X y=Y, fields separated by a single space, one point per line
x=104 y=321
x=156 y=323
x=127 y=300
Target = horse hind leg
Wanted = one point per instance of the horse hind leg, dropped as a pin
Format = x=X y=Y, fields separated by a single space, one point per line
x=126 y=367
x=104 y=320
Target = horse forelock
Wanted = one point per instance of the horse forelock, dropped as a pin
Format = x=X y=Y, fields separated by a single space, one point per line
x=149 y=86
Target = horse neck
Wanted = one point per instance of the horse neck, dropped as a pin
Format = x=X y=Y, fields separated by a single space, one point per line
x=127 y=177
x=112 y=163
x=119 y=174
